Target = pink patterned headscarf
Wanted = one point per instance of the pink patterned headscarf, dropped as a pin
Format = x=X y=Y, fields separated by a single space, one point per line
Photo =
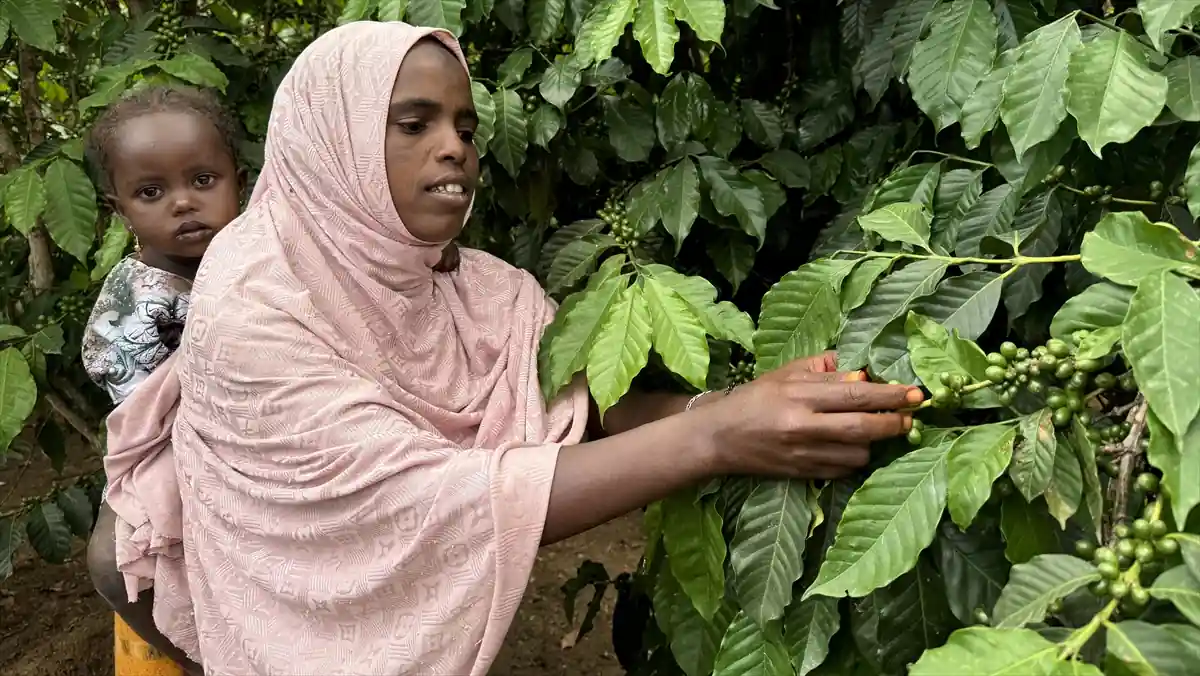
x=362 y=452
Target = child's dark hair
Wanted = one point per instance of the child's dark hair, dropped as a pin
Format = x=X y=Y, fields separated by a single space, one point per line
x=158 y=99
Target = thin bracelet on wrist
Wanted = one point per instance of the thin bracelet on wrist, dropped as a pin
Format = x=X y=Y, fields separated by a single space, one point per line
x=695 y=398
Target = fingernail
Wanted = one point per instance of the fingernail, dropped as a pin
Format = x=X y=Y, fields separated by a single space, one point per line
x=914 y=396
x=907 y=423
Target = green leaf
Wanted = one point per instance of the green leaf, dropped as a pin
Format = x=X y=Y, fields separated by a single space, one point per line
x=913 y=184
x=1178 y=586
x=621 y=348
x=1101 y=305
x=750 y=650
x=965 y=303
x=1162 y=344
x=949 y=63
x=1033 y=462
x=1160 y=16
x=512 y=70
x=1085 y=451
x=886 y=525
x=678 y=335
x=195 y=69
x=46 y=526
x=981 y=110
x=1112 y=92
x=934 y=350
x=560 y=81
x=680 y=200
x=901 y=222
x=18 y=394
x=956 y=192
x=112 y=249
x=1023 y=287
x=773 y=194
x=77 y=510
x=808 y=627
x=1035 y=102
x=721 y=320
x=991 y=214
x=1034 y=585
x=733 y=255
x=24 y=199
x=982 y=651
x=602 y=29
x=973 y=569
x=355 y=10
x=8 y=332
x=860 y=282
x=1191 y=182
x=762 y=123
x=544 y=17
x=1183 y=86
x=565 y=345
x=787 y=167
x=10 y=539
x=1180 y=470
x=767 y=548
x=1065 y=491
x=694 y=640
x=890 y=299
x=576 y=260
x=510 y=138
x=485 y=108
x=392 y=10
x=1137 y=647
x=734 y=195
x=1027 y=530
x=674 y=119
x=800 y=314
x=1126 y=247
x=873 y=71
x=706 y=17
x=914 y=17
x=546 y=123
x=630 y=129
x=722 y=131
x=70 y=219
x=655 y=29
x=695 y=549
x=437 y=14
x=1189 y=547
x=32 y=21
x=975 y=460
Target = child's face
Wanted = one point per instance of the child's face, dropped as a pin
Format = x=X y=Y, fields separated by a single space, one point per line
x=432 y=164
x=175 y=182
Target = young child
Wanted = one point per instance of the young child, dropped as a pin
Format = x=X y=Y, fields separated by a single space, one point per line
x=166 y=160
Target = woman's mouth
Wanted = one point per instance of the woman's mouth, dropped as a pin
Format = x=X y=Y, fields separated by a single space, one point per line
x=455 y=194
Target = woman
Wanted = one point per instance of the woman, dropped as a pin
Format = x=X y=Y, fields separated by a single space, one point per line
x=367 y=468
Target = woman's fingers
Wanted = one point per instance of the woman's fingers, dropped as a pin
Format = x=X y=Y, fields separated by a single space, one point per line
x=858 y=428
x=837 y=455
x=859 y=396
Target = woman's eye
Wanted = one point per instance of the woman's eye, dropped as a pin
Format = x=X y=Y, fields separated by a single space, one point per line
x=411 y=127
x=205 y=180
x=149 y=192
x=468 y=135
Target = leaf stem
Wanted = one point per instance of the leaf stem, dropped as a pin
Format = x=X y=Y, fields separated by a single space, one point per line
x=953 y=260
x=1113 y=200
x=957 y=158
x=1114 y=27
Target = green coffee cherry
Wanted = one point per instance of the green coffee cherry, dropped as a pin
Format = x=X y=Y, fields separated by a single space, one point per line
x=1149 y=483
x=1126 y=548
x=1008 y=349
x=997 y=359
x=1109 y=571
x=1104 y=554
x=1085 y=549
x=1062 y=417
x=1166 y=546
x=1117 y=589
x=1141 y=529
x=1158 y=527
x=1145 y=552
x=1105 y=380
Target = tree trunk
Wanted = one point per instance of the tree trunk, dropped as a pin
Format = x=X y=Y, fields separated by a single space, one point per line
x=41 y=266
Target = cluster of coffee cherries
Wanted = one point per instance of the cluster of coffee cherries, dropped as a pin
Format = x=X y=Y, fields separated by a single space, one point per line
x=42 y=322
x=1145 y=543
x=614 y=214
x=169 y=28
x=1051 y=371
x=741 y=371
x=530 y=104
x=73 y=307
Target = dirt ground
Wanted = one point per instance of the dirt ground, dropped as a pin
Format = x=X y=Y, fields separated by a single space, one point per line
x=52 y=623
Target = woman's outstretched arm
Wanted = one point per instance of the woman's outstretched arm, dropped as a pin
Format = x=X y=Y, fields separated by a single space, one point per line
x=798 y=422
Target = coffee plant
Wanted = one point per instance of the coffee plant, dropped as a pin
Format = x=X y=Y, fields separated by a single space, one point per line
x=993 y=199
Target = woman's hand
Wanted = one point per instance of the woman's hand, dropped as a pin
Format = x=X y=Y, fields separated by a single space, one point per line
x=449 y=262
x=805 y=420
